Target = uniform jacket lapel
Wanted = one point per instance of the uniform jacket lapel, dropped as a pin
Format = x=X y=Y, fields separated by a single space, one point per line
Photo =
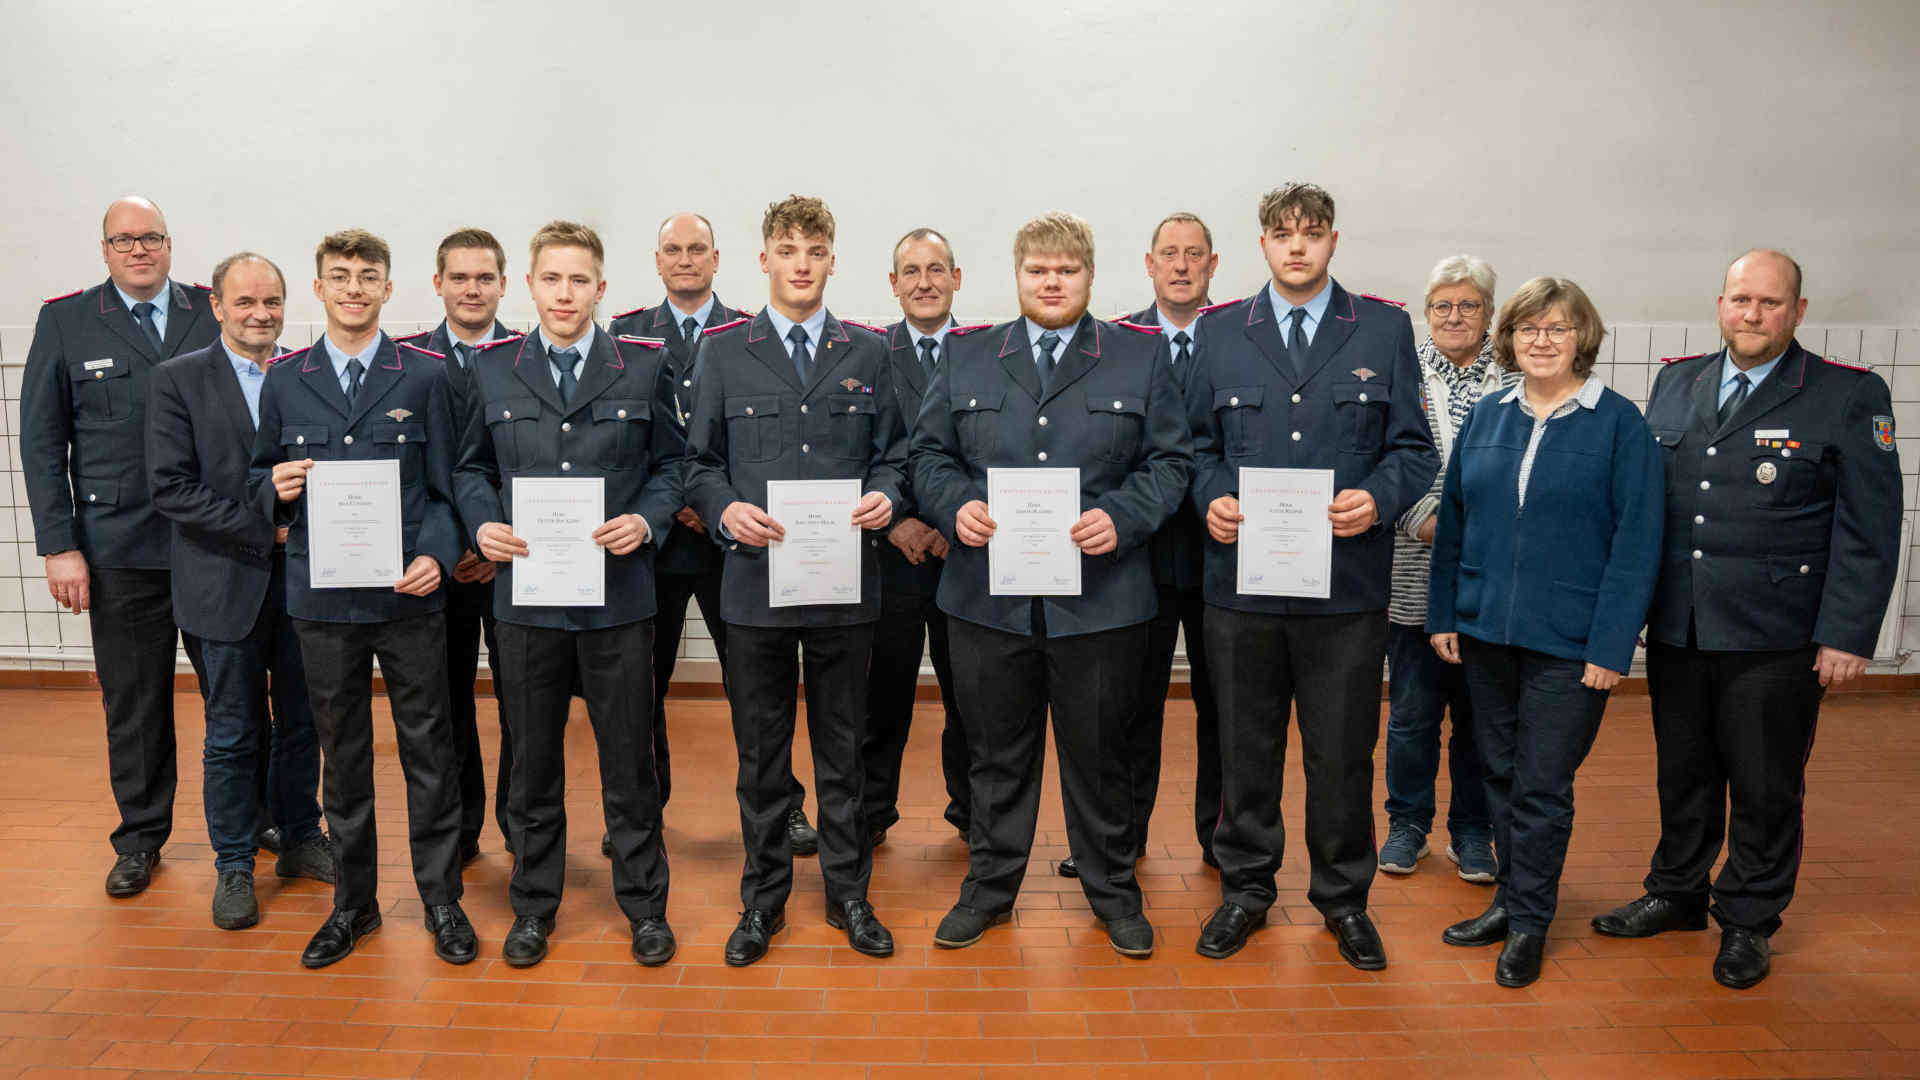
x=119 y=320
x=1780 y=387
x=770 y=350
x=317 y=374
x=380 y=378
x=828 y=353
x=1079 y=358
x=535 y=372
x=906 y=358
x=1016 y=356
x=225 y=386
x=1263 y=330
x=181 y=317
x=604 y=366
x=1337 y=324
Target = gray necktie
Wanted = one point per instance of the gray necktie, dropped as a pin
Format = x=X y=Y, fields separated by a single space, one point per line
x=1049 y=341
x=355 y=369
x=802 y=363
x=1297 y=342
x=143 y=314
x=927 y=347
x=1736 y=399
x=563 y=361
x=1180 y=353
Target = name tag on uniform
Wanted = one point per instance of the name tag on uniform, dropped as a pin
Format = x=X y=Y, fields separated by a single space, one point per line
x=96 y=365
x=1771 y=433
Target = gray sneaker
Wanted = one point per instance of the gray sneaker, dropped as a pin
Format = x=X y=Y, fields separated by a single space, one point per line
x=1474 y=856
x=233 y=904
x=1404 y=849
x=313 y=858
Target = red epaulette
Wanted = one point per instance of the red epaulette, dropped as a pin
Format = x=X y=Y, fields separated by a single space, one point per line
x=1837 y=362
x=1217 y=307
x=728 y=326
x=62 y=296
x=203 y=286
x=1677 y=359
x=635 y=311
x=963 y=330
x=418 y=349
x=1381 y=299
x=1136 y=327
x=501 y=341
x=643 y=342
x=869 y=327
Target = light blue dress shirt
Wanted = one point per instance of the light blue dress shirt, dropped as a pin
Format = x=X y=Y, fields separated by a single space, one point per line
x=815 y=325
x=585 y=345
x=939 y=337
x=339 y=358
x=1755 y=375
x=699 y=317
x=159 y=303
x=1316 y=309
x=1034 y=330
x=1192 y=330
x=251 y=377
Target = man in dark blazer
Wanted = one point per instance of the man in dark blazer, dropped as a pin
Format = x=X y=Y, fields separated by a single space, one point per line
x=1782 y=549
x=470 y=277
x=688 y=567
x=924 y=279
x=200 y=431
x=83 y=406
x=573 y=402
x=1057 y=389
x=795 y=394
x=356 y=395
x=1303 y=374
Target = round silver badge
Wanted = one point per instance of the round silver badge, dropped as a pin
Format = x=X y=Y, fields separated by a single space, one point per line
x=1766 y=472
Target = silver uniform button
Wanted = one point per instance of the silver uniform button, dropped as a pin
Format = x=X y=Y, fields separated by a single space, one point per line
x=506 y=414
x=1805 y=569
x=1296 y=436
x=1712 y=450
x=971 y=402
x=402 y=438
x=1786 y=453
x=566 y=466
x=299 y=440
x=1233 y=401
x=1116 y=404
x=566 y=426
x=1043 y=455
x=1706 y=485
x=805 y=449
x=1296 y=399
x=853 y=408
x=686 y=382
x=803 y=410
x=619 y=414
x=99 y=374
x=1699 y=519
x=749 y=410
x=91 y=496
x=1363 y=397
x=1043 y=421
x=348 y=440
x=1696 y=553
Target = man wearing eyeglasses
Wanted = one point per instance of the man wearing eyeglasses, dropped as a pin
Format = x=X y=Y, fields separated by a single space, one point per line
x=83 y=404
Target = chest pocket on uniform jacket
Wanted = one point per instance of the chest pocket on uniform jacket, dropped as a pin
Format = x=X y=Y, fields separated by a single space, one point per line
x=104 y=393
x=1670 y=440
x=406 y=442
x=1238 y=408
x=1361 y=411
x=621 y=428
x=753 y=427
x=1787 y=477
x=1119 y=424
x=514 y=424
x=976 y=419
x=852 y=417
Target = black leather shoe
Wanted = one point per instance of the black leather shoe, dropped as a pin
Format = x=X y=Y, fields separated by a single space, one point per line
x=1068 y=868
x=1226 y=931
x=1487 y=928
x=1519 y=963
x=335 y=939
x=1359 y=941
x=1648 y=916
x=312 y=858
x=469 y=851
x=132 y=873
x=863 y=928
x=1131 y=935
x=234 y=907
x=268 y=839
x=606 y=845
x=653 y=942
x=526 y=943
x=749 y=939
x=1742 y=960
x=453 y=937
x=801 y=839
x=964 y=925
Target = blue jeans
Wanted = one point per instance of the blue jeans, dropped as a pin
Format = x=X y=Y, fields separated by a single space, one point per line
x=1421 y=689
x=243 y=706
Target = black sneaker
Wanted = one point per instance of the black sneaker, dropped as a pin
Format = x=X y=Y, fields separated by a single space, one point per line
x=234 y=907
x=312 y=858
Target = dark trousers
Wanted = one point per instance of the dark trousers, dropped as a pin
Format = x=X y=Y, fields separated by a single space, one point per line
x=1422 y=690
x=339 y=661
x=464 y=635
x=131 y=618
x=255 y=691
x=907 y=623
x=1330 y=666
x=762 y=690
x=1535 y=724
x=1731 y=727
x=537 y=668
x=1006 y=683
x=1178 y=608
x=675 y=591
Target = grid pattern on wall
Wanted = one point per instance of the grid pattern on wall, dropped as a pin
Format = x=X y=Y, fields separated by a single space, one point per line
x=35 y=634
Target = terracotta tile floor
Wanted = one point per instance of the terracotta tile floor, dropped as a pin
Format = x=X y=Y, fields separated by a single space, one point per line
x=147 y=987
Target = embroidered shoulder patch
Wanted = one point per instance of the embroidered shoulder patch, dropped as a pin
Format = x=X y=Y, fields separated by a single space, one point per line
x=1883 y=433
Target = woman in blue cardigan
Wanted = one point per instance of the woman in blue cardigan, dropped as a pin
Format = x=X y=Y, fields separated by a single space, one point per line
x=1543 y=566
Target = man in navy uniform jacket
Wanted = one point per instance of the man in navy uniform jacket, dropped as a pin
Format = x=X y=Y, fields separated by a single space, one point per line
x=1782 y=548
x=83 y=405
x=795 y=394
x=573 y=402
x=470 y=277
x=200 y=434
x=1304 y=374
x=1054 y=389
x=359 y=396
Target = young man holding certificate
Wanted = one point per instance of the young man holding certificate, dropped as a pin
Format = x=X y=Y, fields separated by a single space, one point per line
x=1049 y=450
x=796 y=450
x=570 y=472
x=1308 y=435
x=354 y=455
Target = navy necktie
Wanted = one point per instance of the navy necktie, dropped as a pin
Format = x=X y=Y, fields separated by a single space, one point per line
x=463 y=354
x=1297 y=341
x=927 y=347
x=1736 y=399
x=1181 y=354
x=563 y=361
x=1049 y=341
x=688 y=328
x=143 y=314
x=355 y=369
x=802 y=363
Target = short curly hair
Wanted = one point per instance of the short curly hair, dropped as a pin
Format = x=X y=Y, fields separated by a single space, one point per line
x=803 y=214
x=1536 y=298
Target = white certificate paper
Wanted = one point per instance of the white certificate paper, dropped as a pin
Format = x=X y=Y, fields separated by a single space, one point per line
x=1032 y=552
x=819 y=561
x=353 y=524
x=1286 y=541
x=563 y=567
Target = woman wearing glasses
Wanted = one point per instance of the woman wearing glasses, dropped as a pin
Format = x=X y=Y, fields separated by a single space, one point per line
x=1543 y=566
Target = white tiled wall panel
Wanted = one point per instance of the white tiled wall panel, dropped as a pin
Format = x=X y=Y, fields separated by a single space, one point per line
x=33 y=634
